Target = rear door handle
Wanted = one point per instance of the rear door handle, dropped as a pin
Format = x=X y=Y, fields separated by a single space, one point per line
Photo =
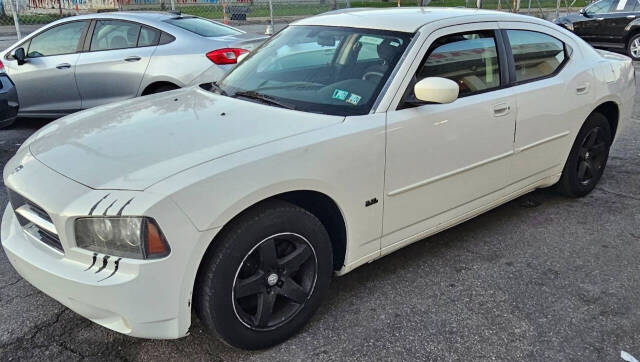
x=631 y=16
x=501 y=109
x=63 y=66
x=599 y=19
x=133 y=58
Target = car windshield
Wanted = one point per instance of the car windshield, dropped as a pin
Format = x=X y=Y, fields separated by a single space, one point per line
x=320 y=69
x=202 y=27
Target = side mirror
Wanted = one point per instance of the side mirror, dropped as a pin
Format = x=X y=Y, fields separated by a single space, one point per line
x=436 y=90
x=19 y=55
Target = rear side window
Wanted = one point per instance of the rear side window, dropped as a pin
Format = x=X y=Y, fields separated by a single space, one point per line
x=62 y=39
x=469 y=59
x=202 y=27
x=536 y=55
x=148 y=37
x=114 y=34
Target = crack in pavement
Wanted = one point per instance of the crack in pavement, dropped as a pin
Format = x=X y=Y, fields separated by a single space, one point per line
x=621 y=194
x=37 y=329
x=19 y=296
x=10 y=284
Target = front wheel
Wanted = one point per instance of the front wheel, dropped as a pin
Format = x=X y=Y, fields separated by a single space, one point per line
x=265 y=276
x=588 y=157
x=633 y=47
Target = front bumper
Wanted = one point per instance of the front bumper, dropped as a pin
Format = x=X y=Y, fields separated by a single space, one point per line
x=140 y=298
x=133 y=301
x=8 y=101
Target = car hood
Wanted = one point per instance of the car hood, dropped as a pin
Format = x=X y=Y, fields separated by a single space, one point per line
x=133 y=144
x=570 y=18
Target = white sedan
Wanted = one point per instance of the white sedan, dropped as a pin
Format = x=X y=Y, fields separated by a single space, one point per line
x=343 y=138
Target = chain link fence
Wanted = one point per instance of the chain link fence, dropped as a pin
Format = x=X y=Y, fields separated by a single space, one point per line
x=32 y=14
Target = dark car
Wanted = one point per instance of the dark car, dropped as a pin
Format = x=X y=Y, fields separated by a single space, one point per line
x=8 y=99
x=608 y=24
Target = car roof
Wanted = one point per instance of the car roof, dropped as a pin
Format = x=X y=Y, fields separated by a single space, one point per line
x=152 y=18
x=131 y=15
x=405 y=19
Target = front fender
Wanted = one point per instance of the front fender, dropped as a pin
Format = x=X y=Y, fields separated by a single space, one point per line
x=345 y=162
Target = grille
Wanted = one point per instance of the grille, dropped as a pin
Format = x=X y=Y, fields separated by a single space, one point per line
x=45 y=236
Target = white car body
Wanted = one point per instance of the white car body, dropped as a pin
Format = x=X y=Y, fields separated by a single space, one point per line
x=428 y=168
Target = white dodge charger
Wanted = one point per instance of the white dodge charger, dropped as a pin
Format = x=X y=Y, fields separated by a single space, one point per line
x=343 y=138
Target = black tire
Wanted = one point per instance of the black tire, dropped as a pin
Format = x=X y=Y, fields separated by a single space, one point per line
x=161 y=89
x=588 y=157
x=631 y=46
x=233 y=255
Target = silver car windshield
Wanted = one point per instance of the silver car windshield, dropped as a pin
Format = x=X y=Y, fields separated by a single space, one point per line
x=319 y=69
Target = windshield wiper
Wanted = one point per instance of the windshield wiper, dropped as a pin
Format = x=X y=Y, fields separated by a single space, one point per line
x=215 y=86
x=263 y=98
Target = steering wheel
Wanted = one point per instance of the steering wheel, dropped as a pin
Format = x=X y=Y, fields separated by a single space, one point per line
x=367 y=74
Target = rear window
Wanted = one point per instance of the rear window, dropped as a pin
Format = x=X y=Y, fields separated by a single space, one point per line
x=202 y=27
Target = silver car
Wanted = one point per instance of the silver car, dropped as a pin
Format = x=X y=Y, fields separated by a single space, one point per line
x=89 y=60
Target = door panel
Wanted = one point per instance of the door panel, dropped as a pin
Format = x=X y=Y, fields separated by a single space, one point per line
x=623 y=13
x=114 y=67
x=46 y=83
x=545 y=73
x=592 y=29
x=443 y=156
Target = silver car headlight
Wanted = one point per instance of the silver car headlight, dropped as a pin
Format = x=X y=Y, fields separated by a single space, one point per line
x=128 y=237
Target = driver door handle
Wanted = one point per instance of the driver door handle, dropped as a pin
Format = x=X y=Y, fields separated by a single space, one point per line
x=599 y=19
x=63 y=66
x=501 y=109
x=133 y=58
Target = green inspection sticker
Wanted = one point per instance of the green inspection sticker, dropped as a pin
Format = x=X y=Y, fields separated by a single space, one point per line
x=340 y=94
x=354 y=99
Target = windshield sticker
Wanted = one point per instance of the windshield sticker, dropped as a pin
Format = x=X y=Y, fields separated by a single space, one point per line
x=340 y=94
x=354 y=99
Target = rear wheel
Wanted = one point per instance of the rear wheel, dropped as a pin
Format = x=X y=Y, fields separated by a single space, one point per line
x=633 y=47
x=588 y=157
x=159 y=89
x=265 y=277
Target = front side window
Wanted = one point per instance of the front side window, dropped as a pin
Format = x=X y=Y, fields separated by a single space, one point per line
x=114 y=34
x=536 y=55
x=320 y=69
x=62 y=39
x=627 y=6
x=469 y=59
x=600 y=7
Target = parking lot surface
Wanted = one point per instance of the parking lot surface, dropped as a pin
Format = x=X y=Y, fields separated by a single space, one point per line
x=543 y=277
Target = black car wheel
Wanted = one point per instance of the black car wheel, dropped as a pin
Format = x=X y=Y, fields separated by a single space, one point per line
x=265 y=276
x=633 y=47
x=588 y=157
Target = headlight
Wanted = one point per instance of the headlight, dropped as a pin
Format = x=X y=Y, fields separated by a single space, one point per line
x=129 y=237
x=569 y=26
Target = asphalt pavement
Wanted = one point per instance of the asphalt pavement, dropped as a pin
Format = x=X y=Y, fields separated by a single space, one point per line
x=541 y=278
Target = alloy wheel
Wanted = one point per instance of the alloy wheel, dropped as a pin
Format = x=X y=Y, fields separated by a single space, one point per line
x=635 y=48
x=274 y=281
x=592 y=156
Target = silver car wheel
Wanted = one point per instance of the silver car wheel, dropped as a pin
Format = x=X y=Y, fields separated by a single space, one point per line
x=635 y=48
